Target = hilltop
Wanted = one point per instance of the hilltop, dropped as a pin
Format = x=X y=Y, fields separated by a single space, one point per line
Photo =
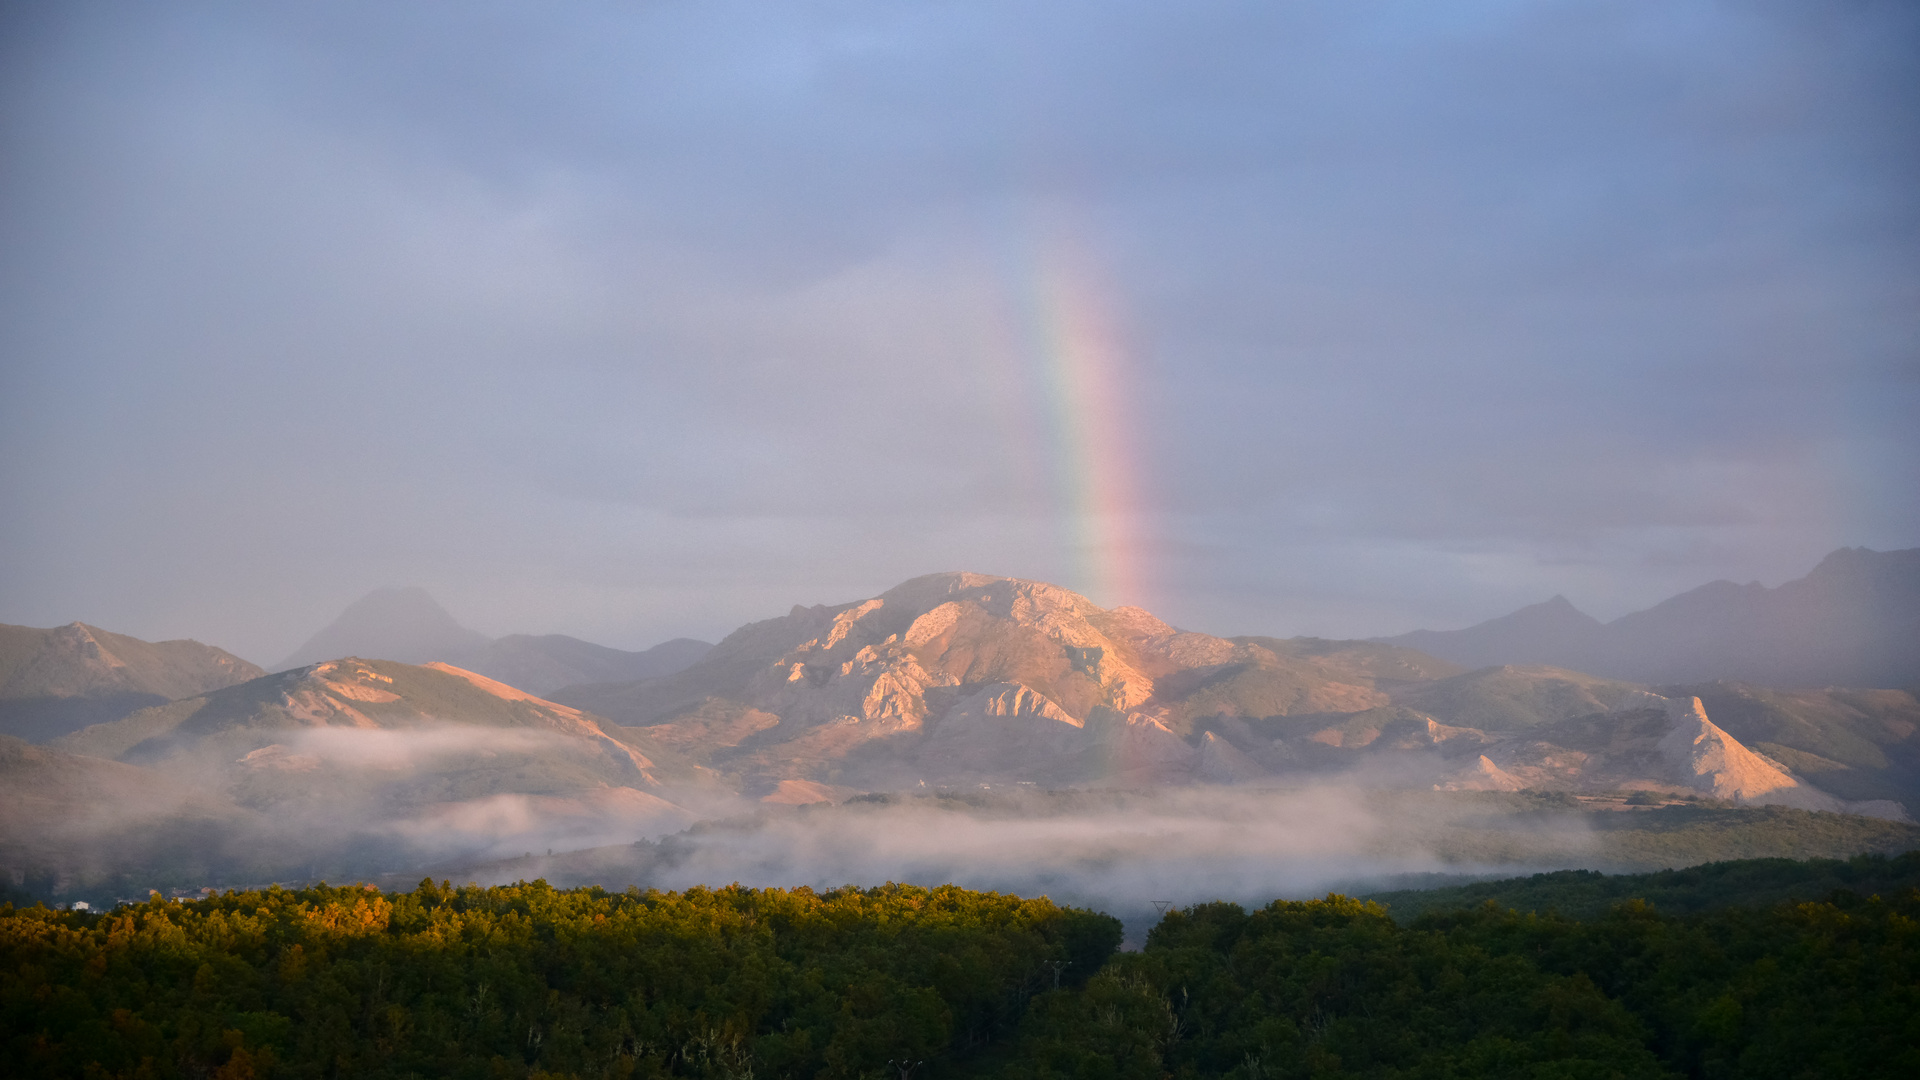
x=348 y=762
x=62 y=679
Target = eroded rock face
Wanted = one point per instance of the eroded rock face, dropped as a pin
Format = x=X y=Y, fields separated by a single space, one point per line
x=1712 y=761
x=963 y=678
x=876 y=665
x=1650 y=743
x=1004 y=730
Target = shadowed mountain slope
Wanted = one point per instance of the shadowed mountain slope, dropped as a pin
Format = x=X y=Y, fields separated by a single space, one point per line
x=66 y=816
x=394 y=624
x=1514 y=698
x=431 y=755
x=409 y=626
x=62 y=679
x=1853 y=621
x=1544 y=633
x=545 y=663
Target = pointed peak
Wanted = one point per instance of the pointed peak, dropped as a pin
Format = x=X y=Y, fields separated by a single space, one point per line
x=404 y=624
x=411 y=599
x=1559 y=602
x=1558 y=611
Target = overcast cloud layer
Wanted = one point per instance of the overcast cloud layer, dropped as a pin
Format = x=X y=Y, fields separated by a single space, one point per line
x=639 y=320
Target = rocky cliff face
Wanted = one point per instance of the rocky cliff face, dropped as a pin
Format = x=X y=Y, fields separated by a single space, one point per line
x=1647 y=743
x=945 y=678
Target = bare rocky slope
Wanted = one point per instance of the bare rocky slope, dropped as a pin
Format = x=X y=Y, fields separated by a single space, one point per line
x=959 y=679
x=58 y=680
x=1857 y=744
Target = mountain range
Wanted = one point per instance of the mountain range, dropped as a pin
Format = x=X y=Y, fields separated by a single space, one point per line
x=944 y=683
x=960 y=679
x=409 y=626
x=1853 y=621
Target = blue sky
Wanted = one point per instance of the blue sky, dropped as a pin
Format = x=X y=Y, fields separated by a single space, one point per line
x=637 y=320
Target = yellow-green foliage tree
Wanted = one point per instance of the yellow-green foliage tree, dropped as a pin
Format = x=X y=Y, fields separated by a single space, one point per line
x=527 y=980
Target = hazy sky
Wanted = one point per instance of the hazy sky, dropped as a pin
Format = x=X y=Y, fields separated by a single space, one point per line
x=635 y=320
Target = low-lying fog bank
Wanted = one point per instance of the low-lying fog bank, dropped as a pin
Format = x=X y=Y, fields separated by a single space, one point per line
x=1127 y=853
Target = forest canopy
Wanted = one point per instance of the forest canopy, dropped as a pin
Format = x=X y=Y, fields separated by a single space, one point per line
x=531 y=981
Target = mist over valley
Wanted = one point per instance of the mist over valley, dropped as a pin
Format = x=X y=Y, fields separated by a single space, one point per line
x=993 y=732
x=1068 y=541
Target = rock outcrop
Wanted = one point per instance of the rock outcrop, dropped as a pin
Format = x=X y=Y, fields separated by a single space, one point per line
x=960 y=678
x=1651 y=743
x=957 y=679
x=1702 y=756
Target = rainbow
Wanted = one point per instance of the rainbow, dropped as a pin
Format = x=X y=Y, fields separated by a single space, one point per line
x=1073 y=341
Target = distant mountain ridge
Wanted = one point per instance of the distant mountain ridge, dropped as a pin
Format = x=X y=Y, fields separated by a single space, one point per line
x=408 y=625
x=62 y=679
x=941 y=685
x=547 y=662
x=393 y=624
x=1854 y=620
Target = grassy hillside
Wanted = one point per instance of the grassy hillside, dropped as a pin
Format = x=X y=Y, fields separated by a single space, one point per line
x=1513 y=698
x=1744 y=883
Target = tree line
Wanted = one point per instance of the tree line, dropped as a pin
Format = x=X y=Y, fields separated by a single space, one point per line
x=528 y=981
